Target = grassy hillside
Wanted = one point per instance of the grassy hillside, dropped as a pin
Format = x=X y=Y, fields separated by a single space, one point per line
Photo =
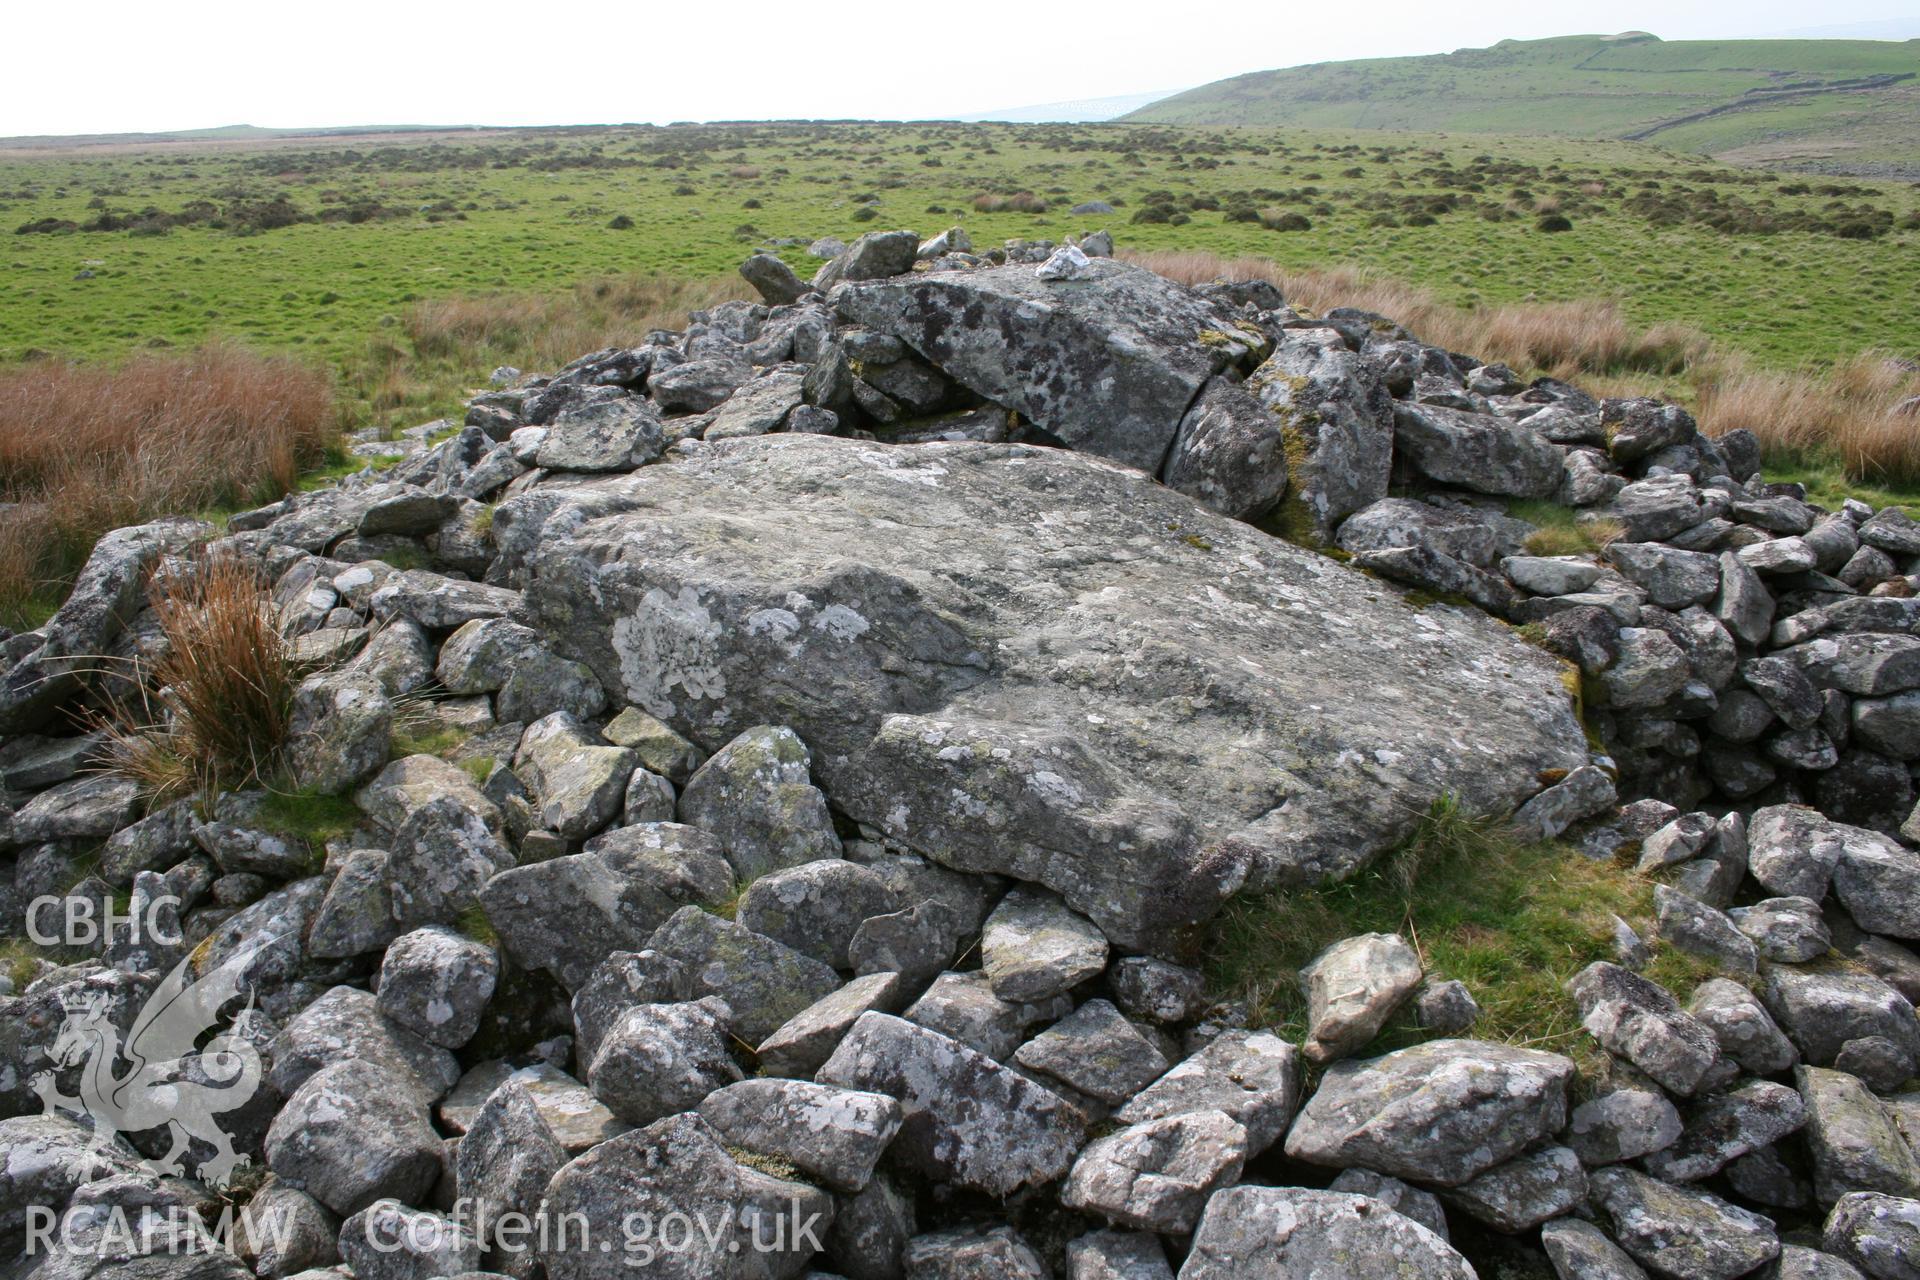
x=1836 y=105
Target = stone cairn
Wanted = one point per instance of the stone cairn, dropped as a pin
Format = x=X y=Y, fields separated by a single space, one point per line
x=861 y=701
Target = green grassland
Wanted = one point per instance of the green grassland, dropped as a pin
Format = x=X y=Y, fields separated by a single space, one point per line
x=372 y=226
x=1833 y=105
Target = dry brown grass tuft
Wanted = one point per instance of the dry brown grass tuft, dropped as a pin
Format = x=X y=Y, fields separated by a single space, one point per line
x=1845 y=413
x=1848 y=413
x=224 y=685
x=545 y=331
x=1561 y=338
x=88 y=448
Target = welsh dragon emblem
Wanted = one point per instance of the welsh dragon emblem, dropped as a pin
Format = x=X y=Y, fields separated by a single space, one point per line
x=169 y=1078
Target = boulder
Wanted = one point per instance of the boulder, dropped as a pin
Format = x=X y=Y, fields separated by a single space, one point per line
x=1352 y=988
x=972 y=726
x=1441 y=1112
x=1108 y=364
x=657 y=1060
x=835 y=1135
x=1034 y=947
x=1157 y=1176
x=1229 y=454
x=624 y=1192
x=968 y=1120
x=764 y=983
x=1477 y=451
x=1880 y=1234
x=1290 y=1231
x=1252 y=1076
x=352 y=1134
x=756 y=795
x=1681 y=1233
x=436 y=984
x=567 y=914
x=1336 y=420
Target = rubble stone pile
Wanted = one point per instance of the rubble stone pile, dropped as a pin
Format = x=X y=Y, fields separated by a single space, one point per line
x=790 y=767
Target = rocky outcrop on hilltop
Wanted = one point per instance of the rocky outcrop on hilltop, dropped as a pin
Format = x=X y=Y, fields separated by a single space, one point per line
x=835 y=726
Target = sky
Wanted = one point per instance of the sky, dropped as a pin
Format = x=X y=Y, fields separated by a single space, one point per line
x=136 y=66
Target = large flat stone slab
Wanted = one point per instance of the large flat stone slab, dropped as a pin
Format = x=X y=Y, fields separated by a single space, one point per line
x=1035 y=662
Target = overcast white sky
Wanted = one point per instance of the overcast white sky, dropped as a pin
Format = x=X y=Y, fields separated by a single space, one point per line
x=127 y=65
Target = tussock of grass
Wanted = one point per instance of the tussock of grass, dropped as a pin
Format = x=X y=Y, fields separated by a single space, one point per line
x=20 y=961
x=88 y=448
x=1510 y=919
x=225 y=686
x=473 y=922
x=1560 y=531
x=424 y=738
x=309 y=816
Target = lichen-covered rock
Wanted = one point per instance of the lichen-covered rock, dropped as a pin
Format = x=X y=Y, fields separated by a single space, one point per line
x=345 y=1024
x=763 y=982
x=962 y=1253
x=339 y=733
x=1642 y=1023
x=1252 y=1076
x=1095 y=1051
x=1623 y=1124
x=1478 y=451
x=1722 y=1127
x=1337 y=421
x=436 y=984
x=1034 y=947
x=968 y=1120
x=1109 y=364
x=283 y=1230
x=1823 y=1011
x=757 y=796
x=389 y=1241
x=566 y=914
x=441 y=861
x=1288 y=1231
x=1880 y=1234
x=578 y=781
x=1157 y=1176
x=1525 y=1191
x=351 y=1134
x=657 y=1060
x=1581 y=1251
x=1352 y=988
x=1855 y=1140
x=1117 y=1255
x=1441 y=1112
x=503 y=1164
x=622 y=980
x=817 y=907
x=677 y=1166
x=1746 y=1031
x=1229 y=453
x=1145 y=987
x=1682 y=1233
x=912 y=687
x=836 y=1135
x=572 y=1114
x=806 y=1040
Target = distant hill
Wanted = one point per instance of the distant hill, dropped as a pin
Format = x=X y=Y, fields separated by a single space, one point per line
x=1076 y=111
x=1831 y=105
